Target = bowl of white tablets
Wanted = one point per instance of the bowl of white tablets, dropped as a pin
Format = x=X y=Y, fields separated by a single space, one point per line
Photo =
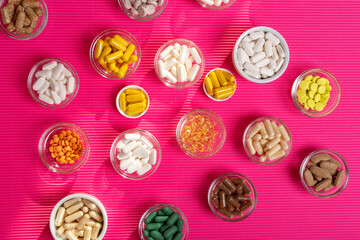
x=261 y=55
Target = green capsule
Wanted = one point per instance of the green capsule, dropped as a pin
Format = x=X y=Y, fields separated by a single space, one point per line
x=170 y=238
x=167 y=211
x=149 y=238
x=180 y=225
x=156 y=235
x=161 y=219
x=146 y=233
x=170 y=231
x=177 y=236
x=172 y=219
x=160 y=213
x=150 y=217
x=163 y=228
x=153 y=226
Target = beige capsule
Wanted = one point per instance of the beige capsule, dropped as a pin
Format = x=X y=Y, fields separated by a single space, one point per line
x=74 y=207
x=70 y=235
x=96 y=231
x=259 y=150
x=263 y=131
x=276 y=129
x=263 y=142
x=87 y=233
x=284 y=144
x=79 y=233
x=71 y=202
x=257 y=137
x=272 y=151
x=269 y=128
x=250 y=146
x=254 y=130
x=263 y=158
x=277 y=155
x=272 y=143
x=74 y=216
x=85 y=209
x=63 y=237
x=96 y=216
x=60 y=231
x=60 y=215
x=70 y=226
x=284 y=133
x=83 y=221
x=90 y=223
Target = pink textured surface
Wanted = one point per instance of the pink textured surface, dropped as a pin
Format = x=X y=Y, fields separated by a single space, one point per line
x=319 y=33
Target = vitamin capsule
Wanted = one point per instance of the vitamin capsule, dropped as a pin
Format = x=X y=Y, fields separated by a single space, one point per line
x=262 y=63
x=272 y=143
x=183 y=54
x=96 y=231
x=172 y=219
x=317 y=171
x=153 y=226
x=135 y=111
x=135 y=166
x=167 y=211
x=229 y=184
x=150 y=218
x=223 y=187
x=70 y=226
x=269 y=128
x=222 y=196
x=118 y=45
x=123 y=102
x=257 y=146
x=321 y=185
x=128 y=52
x=224 y=94
x=209 y=86
x=221 y=77
x=263 y=158
x=107 y=50
x=121 y=40
x=70 y=235
x=284 y=133
x=99 y=48
x=83 y=221
x=269 y=36
x=272 y=151
x=161 y=219
x=123 y=69
x=156 y=235
x=160 y=213
x=246 y=206
x=113 y=56
x=133 y=98
x=268 y=48
x=284 y=145
x=257 y=57
x=195 y=55
x=193 y=72
x=59 y=219
x=225 y=213
x=71 y=202
x=181 y=73
x=277 y=155
x=96 y=216
x=133 y=59
x=74 y=208
x=166 y=51
x=247 y=48
x=74 y=216
x=170 y=232
x=251 y=67
x=85 y=209
x=60 y=231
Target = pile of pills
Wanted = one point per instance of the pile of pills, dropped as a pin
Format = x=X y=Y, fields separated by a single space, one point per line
x=163 y=224
x=268 y=140
x=261 y=55
x=314 y=92
x=21 y=16
x=179 y=63
x=142 y=8
x=136 y=154
x=78 y=218
x=323 y=173
x=216 y=3
x=220 y=84
x=232 y=197
x=66 y=147
x=115 y=55
x=133 y=101
x=199 y=134
x=54 y=82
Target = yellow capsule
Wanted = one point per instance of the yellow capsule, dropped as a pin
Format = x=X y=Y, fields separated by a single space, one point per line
x=113 y=56
x=105 y=52
x=209 y=86
x=132 y=59
x=133 y=98
x=223 y=89
x=102 y=61
x=121 y=40
x=123 y=102
x=118 y=45
x=112 y=66
x=214 y=80
x=227 y=75
x=106 y=41
x=120 y=61
x=308 y=78
x=233 y=85
x=232 y=79
x=123 y=69
x=223 y=95
x=136 y=111
x=129 y=51
x=99 y=48
x=132 y=91
x=116 y=71
x=139 y=105
x=220 y=76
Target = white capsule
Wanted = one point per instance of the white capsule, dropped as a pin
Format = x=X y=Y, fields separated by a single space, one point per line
x=130 y=146
x=70 y=226
x=252 y=74
x=132 y=136
x=55 y=97
x=280 y=51
x=262 y=63
x=134 y=167
x=49 y=66
x=250 y=146
x=96 y=231
x=74 y=216
x=74 y=208
x=87 y=232
x=44 y=74
x=123 y=156
x=242 y=56
x=171 y=77
x=266 y=71
x=272 y=64
x=279 y=65
x=195 y=54
x=256 y=35
x=257 y=57
x=251 y=67
x=166 y=51
x=284 y=133
x=162 y=69
x=71 y=85
x=67 y=73
x=174 y=71
x=139 y=151
x=275 y=55
x=57 y=70
x=169 y=63
x=272 y=38
x=60 y=231
x=181 y=73
x=144 y=169
x=125 y=164
x=146 y=142
x=62 y=92
x=54 y=85
x=177 y=46
x=217 y=3
x=209 y=2
x=193 y=72
x=152 y=156
x=175 y=53
x=247 y=48
x=46 y=98
x=144 y=160
x=62 y=77
x=259 y=45
x=127 y=4
x=268 y=48
x=70 y=235
x=183 y=54
x=38 y=83
x=188 y=65
x=60 y=215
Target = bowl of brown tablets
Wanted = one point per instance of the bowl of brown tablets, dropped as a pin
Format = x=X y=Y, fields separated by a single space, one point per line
x=324 y=173
x=232 y=197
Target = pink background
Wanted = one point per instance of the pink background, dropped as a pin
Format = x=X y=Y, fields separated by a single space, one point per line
x=321 y=34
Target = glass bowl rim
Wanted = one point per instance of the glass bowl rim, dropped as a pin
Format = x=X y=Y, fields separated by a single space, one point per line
x=118 y=99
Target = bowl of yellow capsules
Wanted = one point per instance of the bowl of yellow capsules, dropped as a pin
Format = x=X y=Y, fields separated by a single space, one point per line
x=115 y=54
x=316 y=92
x=219 y=84
x=132 y=101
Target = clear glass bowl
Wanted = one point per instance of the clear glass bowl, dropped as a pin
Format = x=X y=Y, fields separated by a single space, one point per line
x=220 y=127
x=84 y=196
x=248 y=183
x=158 y=12
x=255 y=157
x=334 y=191
x=334 y=93
x=142 y=224
x=39 y=28
x=118 y=101
x=38 y=67
x=110 y=33
x=211 y=97
x=283 y=43
x=213 y=7
x=45 y=154
x=116 y=163
x=179 y=85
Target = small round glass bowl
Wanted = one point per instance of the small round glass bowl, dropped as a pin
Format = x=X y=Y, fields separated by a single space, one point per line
x=218 y=126
x=118 y=101
x=38 y=67
x=158 y=207
x=110 y=33
x=213 y=7
x=256 y=157
x=179 y=85
x=283 y=43
x=45 y=154
x=248 y=183
x=84 y=196
x=333 y=191
x=158 y=12
x=39 y=28
x=334 y=93
x=116 y=163
x=212 y=97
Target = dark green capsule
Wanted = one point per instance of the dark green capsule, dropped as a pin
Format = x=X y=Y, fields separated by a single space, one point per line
x=160 y=213
x=161 y=219
x=180 y=225
x=150 y=217
x=149 y=238
x=153 y=226
x=172 y=219
x=170 y=231
x=167 y=211
x=146 y=233
x=163 y=228
x=156 y=235
x=170 y=238
x=177 y=236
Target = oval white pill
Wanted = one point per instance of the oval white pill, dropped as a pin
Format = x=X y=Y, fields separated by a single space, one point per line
x=209 y=2
x=146 y=142
x=144 y=169
x=134 y=167
x=252 y=74
x=46 y=98
x=279 y=64
x=242 y=56
x=38 y=83
x=272 y=38
x=251 y=67
x=132 y=136
x=121 y=144
x=266 y=71
x=44 y=74
x=259 y=45
x=44 y=87
x=257 y=57
x=58 y=70
x=152 y=156
x=280 y=51
x=55 y=97
x=139 y=151
x=256 y=35
x=71 y=85
x=262 y=63
x=268 y=48
x=125 y=164
x=123 y=156
x=130 y=146
x=246 y=46
x=62 y=92
x=49 y=66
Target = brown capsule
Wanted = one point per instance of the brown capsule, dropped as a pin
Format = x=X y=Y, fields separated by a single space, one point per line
x=242 y=198
x=237 y=181
x=309 y=178
x=20 y=19
x=222 y=196
x=216 y=203
x=323 y=184
x=27 y=22
x=328 y=165
x=216 y=191
x=232 y=201
x=339 y=178
x=224 y=188
x=320 y=172
x=7 y=13
x=237 y=213
x=229 y=207
x=225 y=213
x=238 y=189
x=38 y=11
x=16 y=2
x=245 y=188
x=229 y=184
x=30 y=3
x=320 y=157
x=246 y=206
